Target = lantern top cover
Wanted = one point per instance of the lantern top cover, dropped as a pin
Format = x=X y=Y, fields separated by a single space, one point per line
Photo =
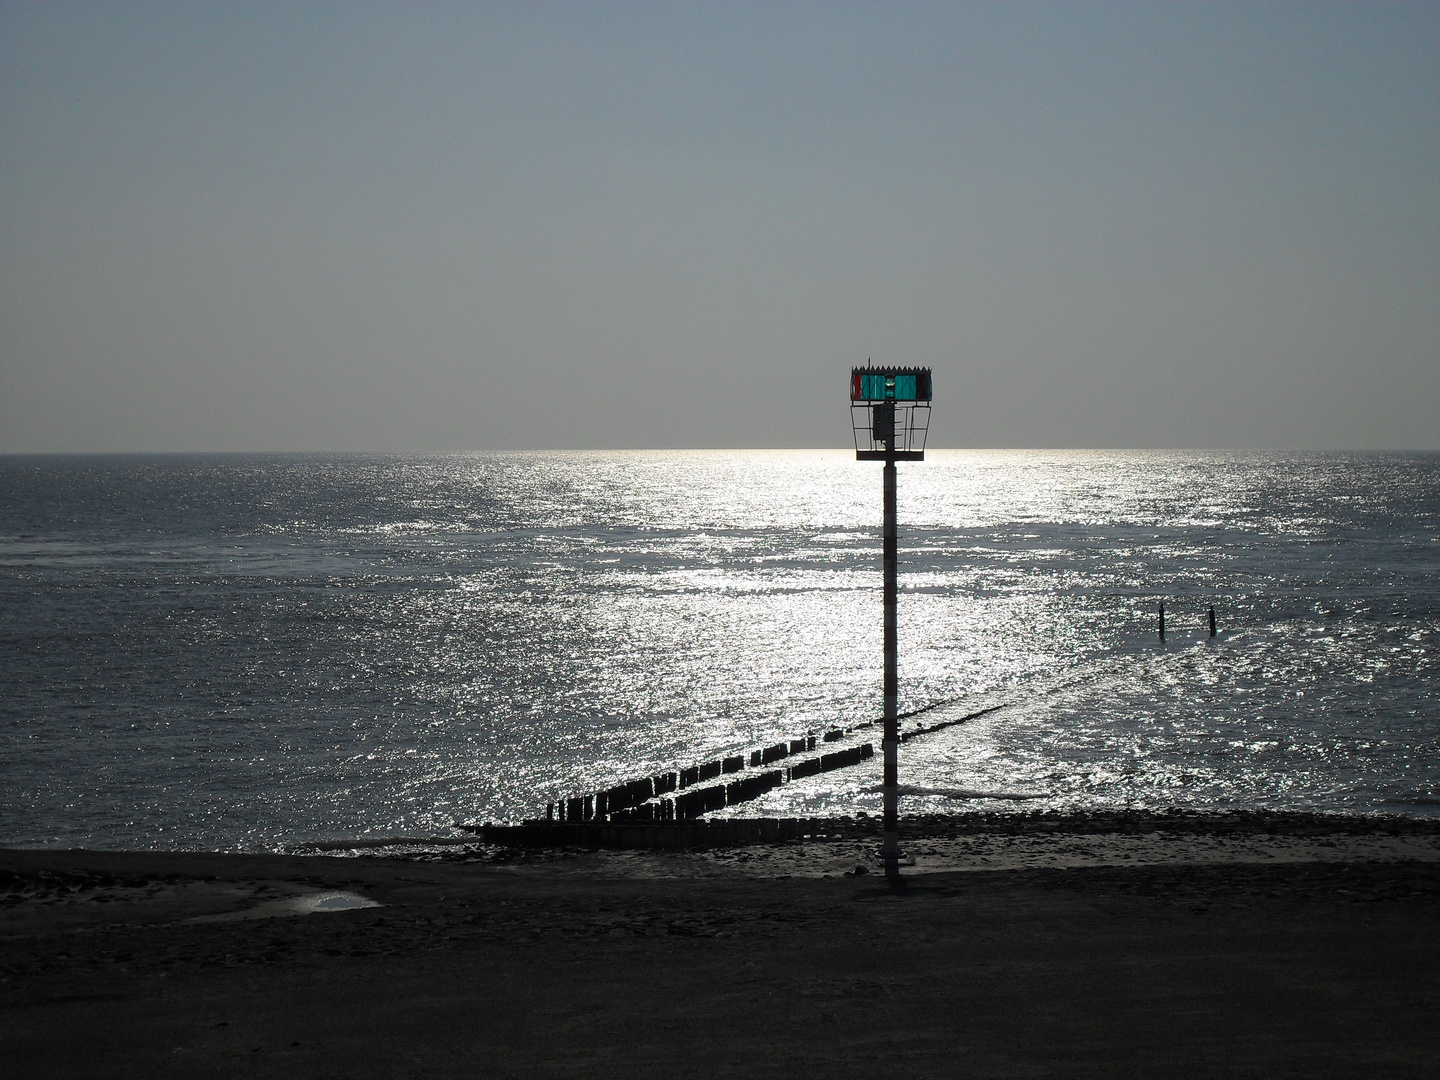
x=889 y=384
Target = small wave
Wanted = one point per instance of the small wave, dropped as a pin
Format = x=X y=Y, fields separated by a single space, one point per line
x=959 y=793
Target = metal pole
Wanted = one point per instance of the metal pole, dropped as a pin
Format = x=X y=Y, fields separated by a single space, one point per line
x=890 y=850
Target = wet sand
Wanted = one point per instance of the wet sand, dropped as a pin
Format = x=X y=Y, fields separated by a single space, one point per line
x=1278 y=946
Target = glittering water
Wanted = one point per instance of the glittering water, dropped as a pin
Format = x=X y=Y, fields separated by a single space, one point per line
x=246 y=652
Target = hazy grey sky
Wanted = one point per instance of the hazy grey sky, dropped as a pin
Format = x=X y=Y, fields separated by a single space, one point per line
x=397 y=227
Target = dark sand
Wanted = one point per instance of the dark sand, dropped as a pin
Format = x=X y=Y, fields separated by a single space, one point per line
x=1276 y=947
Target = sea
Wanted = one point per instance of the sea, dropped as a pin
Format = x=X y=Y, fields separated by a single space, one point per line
x=252 y=652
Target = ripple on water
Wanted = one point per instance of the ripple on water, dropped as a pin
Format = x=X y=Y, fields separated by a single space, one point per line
x=232 y=652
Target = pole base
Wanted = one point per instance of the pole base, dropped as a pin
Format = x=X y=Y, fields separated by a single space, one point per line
x=891 y=857
x=903 y=859
x=892 y=869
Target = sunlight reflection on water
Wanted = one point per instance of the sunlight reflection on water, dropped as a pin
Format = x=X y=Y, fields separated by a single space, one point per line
x=248 y=652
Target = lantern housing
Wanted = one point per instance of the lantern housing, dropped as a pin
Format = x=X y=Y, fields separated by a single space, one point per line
x=890 y=413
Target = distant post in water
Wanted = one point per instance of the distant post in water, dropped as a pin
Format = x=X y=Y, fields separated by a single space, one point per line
x=1162 y=622
x=1212 y=620
x=890 y=416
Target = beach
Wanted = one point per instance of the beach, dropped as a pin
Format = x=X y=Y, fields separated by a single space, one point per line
x=500 y=501
x=1275 y=945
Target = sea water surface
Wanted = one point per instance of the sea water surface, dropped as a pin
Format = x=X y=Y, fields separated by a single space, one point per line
x=251 y=652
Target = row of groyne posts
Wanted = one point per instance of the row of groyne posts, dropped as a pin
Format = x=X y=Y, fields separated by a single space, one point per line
x=648 y=812
x=677 y=796
x=1213 y=631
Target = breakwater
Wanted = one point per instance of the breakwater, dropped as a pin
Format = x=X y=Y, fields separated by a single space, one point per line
x=677 y=796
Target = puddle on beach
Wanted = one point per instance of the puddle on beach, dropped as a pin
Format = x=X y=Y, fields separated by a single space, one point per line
x=331 y=901
x=308 y=904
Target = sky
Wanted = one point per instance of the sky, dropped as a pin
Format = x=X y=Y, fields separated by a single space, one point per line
x=444 y=228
